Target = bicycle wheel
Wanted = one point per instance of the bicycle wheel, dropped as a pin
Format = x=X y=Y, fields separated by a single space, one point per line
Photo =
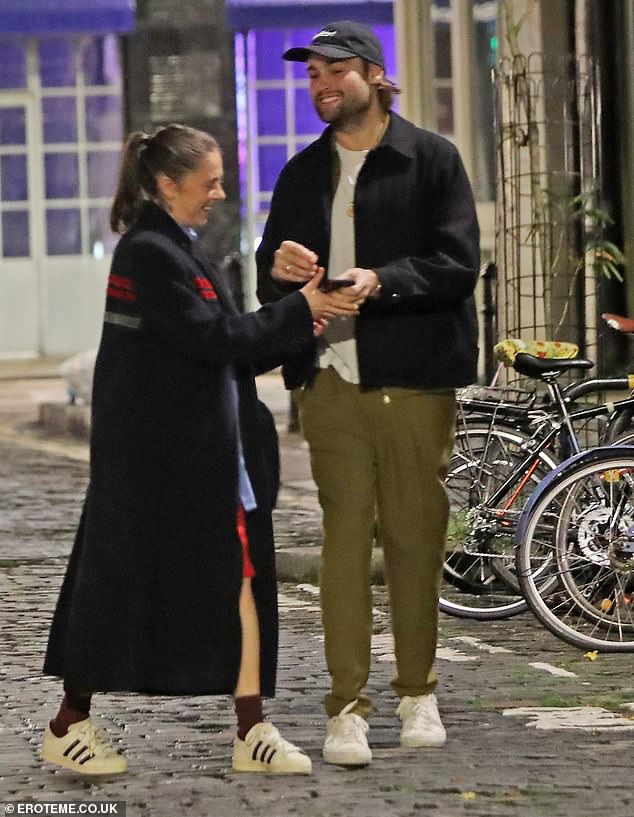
x=620 y=430
x=575 y=563
x=479 y=570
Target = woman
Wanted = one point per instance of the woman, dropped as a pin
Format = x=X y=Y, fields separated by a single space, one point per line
x=170 y=587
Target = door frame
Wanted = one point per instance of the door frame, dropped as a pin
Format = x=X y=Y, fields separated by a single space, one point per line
x=30 y=266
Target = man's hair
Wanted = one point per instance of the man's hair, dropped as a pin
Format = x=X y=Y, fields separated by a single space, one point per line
x=386 y=90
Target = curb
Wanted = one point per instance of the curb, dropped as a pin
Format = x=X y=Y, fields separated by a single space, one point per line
x=301 y=565
x=62 y=419
x=63 y=429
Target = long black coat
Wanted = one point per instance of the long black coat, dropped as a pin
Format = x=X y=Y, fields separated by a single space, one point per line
x=150 y=599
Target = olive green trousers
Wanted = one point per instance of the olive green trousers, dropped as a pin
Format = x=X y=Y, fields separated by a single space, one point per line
x=379 y=459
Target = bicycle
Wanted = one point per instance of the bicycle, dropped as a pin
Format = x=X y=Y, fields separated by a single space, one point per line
x=507 y=441
x=575 y=550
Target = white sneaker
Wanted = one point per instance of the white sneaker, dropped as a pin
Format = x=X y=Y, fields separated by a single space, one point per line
x=84 y=748
x=346 y=743
x=421 y=722
x=265 y=750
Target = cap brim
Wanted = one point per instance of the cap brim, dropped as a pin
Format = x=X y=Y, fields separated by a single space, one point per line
x=330 y=51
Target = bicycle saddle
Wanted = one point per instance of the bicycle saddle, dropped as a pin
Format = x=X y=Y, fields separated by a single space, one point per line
x=505 y=350
x=537 y=367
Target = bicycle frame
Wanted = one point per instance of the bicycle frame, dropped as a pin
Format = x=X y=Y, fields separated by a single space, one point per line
x=504 y=448
x=567 y=420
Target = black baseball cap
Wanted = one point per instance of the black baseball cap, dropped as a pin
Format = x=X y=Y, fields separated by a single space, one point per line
x=341 y=41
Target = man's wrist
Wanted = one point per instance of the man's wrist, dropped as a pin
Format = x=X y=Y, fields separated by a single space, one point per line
x=377 y=289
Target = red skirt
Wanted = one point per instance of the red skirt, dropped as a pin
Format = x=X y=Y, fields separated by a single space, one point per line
x=248 y=571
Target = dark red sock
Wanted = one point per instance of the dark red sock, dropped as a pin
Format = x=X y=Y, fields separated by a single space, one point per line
x=249 y=712
x=74 y=707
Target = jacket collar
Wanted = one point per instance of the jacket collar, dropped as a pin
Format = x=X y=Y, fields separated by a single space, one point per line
x=153 y=217
x=400 y=136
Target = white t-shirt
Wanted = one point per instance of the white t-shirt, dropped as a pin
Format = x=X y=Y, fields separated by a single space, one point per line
x=338 y=343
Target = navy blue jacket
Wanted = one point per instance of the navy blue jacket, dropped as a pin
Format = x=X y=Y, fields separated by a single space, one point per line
x=416 y=226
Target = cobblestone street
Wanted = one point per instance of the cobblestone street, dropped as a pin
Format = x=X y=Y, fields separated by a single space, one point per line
x=511 y=695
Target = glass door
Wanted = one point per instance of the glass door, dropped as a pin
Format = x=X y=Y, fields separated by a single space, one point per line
x=19 y=264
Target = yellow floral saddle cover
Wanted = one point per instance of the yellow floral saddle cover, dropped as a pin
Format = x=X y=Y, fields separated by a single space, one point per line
x=506 y=349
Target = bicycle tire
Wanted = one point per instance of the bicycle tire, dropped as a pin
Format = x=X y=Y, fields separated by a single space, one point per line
x=481 y=584
x=621 y=428
x=584 y=524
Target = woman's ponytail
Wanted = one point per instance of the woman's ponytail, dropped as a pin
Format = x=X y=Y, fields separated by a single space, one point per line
x=130 y=191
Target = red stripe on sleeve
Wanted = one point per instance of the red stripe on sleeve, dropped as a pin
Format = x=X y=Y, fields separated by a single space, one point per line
x=205 y=288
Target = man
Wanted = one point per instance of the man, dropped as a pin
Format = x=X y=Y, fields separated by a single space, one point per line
x=388 y=207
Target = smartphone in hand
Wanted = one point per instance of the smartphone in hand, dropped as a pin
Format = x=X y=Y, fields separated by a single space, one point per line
x=336 y=283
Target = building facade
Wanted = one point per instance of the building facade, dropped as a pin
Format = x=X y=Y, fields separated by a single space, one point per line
x=61 y=120
x=75 y=77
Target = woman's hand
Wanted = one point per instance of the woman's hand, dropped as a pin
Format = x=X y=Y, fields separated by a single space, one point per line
x=329 y=304
x=319 y=327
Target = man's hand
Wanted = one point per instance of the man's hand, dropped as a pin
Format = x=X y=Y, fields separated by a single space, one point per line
x=366 y=284
x=294 y=263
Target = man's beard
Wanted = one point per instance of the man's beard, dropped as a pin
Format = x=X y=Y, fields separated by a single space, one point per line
x=351 y=114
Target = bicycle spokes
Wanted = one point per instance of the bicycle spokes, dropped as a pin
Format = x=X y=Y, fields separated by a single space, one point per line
x=576 y=564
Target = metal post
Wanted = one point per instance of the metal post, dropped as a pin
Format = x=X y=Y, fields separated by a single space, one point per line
x=489 y=313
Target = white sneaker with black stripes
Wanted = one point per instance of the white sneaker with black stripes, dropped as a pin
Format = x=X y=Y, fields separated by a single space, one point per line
x=84 y=749
x=265 y=750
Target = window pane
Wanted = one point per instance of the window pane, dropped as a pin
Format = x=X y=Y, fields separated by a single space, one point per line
x=15 y=235
x=13 y=179
x=103 y=168
x=12 y=65
x=483 y=130
x=306 y=119
x=271 y=112
x=442 y=50
x=101 y=62
x=299 y=37
x=269 y=47
x=272 y=160
x=63 y=232
x=13 y=126
x=444 y=110
x=62 y=175
x=59 y=116
x=57 y=68
x=104 y=119
x=385 y=34
x=102 y=239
